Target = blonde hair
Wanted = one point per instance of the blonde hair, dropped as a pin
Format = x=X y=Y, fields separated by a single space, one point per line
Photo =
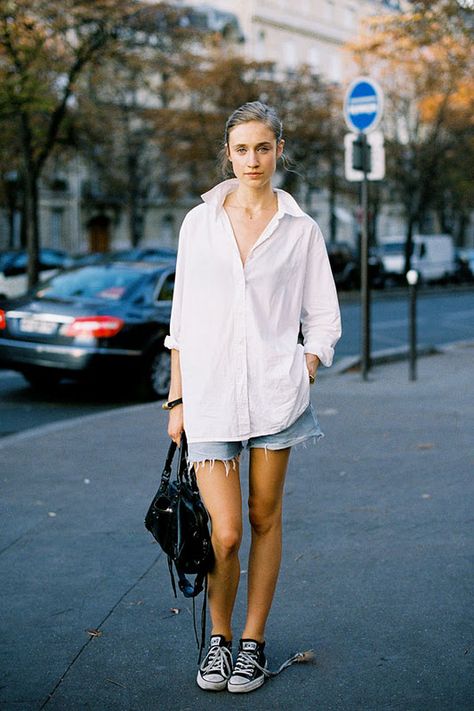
x=251 y=111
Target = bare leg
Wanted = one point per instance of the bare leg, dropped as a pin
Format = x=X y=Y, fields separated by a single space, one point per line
x=222 y=498
x=267 y=478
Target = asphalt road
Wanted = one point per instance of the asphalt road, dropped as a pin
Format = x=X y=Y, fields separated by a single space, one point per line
x=22 y=408
x=443 y=317
x=376 y=577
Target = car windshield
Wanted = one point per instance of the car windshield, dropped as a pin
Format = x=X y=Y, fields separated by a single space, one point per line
x=393 y=248
x=95 y=282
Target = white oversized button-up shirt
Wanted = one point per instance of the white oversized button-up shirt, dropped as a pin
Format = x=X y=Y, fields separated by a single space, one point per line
x=236 y=327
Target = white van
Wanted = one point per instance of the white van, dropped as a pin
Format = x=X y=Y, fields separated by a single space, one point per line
x=433 y=257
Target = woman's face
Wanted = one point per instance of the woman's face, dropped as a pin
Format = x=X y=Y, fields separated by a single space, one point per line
x=253 y=151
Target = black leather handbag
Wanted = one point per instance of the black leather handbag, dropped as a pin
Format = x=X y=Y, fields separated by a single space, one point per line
x=179 y=522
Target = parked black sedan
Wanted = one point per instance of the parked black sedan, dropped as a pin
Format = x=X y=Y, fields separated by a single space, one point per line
x=345 y=267
x=99 y=321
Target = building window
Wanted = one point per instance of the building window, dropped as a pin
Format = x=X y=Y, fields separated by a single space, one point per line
x=350 y=17
x=335 y=68
x=167 y=232
x=289 y=55
x=57 y=222
x=314 y=60
x=260 y=46
x=329 y=10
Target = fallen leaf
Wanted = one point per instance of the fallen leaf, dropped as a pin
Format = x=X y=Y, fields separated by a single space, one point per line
x=328 y=411
x=94 y=633
x=51 y=514
x=426 y=496
x=175 y=610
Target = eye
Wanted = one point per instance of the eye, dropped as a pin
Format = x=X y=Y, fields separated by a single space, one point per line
x=264 y=149
x=240 y=150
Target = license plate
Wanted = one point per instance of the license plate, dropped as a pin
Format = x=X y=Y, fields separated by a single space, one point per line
x=35 y=325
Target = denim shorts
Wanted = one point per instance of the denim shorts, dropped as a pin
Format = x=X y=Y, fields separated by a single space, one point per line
x=304 y=428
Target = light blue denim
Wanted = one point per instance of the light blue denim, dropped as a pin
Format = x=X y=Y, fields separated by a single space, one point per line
x=304 y=428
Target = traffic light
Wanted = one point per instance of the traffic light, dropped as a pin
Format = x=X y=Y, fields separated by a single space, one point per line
x=361 y=154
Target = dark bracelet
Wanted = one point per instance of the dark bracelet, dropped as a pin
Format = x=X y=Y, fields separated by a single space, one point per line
x=172 y=403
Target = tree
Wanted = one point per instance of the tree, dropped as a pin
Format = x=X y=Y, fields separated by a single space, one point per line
x=314 y=127
x=202 y=92
x=44 y=49
x=122 y=110
x=423 y=59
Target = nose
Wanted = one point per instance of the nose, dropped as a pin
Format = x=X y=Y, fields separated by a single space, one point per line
x=252 y=159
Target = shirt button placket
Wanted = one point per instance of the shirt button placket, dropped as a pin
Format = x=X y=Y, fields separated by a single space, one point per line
x=241 y=358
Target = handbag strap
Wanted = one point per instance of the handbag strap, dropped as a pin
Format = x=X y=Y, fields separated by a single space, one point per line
x=186 y=473
x=165 y=477
x=183 y=472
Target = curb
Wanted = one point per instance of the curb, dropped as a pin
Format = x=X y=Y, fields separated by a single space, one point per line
x=394 y=355
x=398 y=293
x=345 y=365
x=54 y=427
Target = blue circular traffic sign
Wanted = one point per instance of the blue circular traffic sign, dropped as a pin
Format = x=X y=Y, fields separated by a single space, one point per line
x=363 y=105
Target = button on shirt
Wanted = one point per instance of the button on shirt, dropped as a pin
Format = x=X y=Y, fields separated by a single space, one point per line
x=236 y=327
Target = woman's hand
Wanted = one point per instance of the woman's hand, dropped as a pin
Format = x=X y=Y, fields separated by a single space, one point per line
x=176 y=424
x=312 y=363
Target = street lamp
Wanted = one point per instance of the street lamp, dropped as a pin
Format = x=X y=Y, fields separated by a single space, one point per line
x=412 y=279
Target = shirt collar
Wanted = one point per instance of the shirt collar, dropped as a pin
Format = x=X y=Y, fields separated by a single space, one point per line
x=216 y=196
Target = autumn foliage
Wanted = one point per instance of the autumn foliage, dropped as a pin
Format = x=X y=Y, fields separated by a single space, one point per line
x=424 y=60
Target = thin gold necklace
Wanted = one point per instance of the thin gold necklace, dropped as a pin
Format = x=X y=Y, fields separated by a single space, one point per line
x=257 y=212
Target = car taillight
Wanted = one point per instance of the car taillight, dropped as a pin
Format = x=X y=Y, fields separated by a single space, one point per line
x=93 y=327
x=3 y=319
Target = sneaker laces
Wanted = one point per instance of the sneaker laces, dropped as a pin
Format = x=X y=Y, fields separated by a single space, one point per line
x=217 y=660
x=246 y=664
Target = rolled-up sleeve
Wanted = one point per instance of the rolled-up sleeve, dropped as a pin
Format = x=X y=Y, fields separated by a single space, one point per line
x=320 y=315
x=172 y=339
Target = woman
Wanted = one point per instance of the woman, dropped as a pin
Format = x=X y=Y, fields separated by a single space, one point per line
x=251 y=266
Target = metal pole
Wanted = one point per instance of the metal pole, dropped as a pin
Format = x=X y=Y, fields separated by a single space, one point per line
x=364 y=268
x=412 y=278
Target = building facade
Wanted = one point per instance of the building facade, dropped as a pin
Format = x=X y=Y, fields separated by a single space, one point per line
x=74 y=214
x=311 y=32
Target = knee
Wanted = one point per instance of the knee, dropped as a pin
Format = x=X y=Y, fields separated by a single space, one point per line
x=262 y=519
x=226 y=542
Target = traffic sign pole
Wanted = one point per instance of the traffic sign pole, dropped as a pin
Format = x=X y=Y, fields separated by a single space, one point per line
x=364 y=265
x=363 y=106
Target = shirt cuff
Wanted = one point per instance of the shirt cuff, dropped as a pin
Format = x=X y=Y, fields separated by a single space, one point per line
x=324 y=353
x=170 y=343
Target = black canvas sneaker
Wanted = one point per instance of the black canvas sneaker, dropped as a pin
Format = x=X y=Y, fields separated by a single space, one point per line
x=249 y=669
x=216 y=668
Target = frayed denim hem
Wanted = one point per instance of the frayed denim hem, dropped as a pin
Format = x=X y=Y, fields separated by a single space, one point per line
x=226 y=462
x=303 y=440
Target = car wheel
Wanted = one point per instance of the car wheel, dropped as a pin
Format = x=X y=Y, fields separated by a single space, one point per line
x=41 y=380
x=156 y=379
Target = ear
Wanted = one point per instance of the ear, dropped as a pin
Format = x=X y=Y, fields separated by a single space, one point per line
x=280 y=147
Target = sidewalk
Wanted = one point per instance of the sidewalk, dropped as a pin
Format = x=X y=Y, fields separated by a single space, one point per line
x=377 y=574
